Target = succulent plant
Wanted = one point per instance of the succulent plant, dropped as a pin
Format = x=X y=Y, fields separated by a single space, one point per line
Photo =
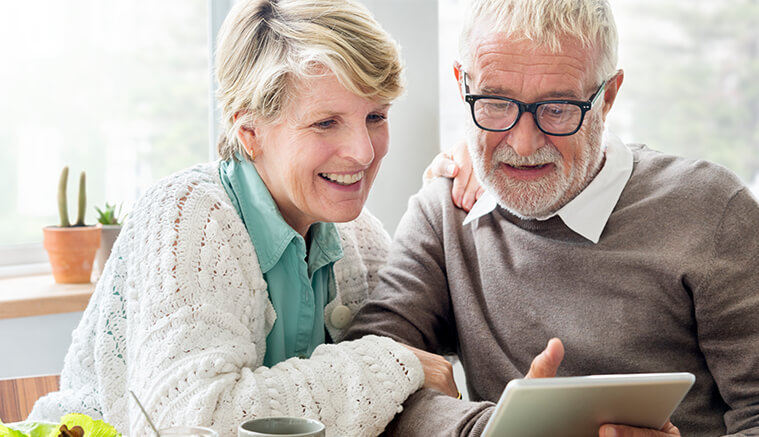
x=63 y=211
x=110 y=215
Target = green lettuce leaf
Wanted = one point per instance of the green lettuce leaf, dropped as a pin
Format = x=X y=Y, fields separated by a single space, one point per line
x=29 y=429
x=8 y=432
x=91 y=427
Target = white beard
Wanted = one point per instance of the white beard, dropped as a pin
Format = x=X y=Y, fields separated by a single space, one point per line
x=542 y=198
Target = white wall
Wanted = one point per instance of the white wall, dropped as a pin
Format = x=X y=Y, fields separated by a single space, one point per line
x=35 y=345
x=414 y=132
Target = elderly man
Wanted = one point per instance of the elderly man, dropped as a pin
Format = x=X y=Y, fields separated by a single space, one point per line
x=638 y=261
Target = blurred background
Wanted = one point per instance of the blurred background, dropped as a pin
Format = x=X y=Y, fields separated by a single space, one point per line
x=123 y=90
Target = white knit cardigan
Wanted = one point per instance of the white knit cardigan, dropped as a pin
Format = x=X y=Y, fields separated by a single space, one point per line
x=181 y=316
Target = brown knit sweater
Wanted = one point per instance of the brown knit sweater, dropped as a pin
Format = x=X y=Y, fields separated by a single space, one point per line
x=672 y=285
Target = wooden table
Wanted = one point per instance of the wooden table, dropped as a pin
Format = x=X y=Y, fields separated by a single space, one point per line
x=18 y=395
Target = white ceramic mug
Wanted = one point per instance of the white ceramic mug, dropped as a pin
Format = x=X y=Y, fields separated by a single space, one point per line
x=188 y=431
x=281 y=427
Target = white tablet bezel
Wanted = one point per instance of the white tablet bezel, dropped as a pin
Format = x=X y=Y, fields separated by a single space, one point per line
x=577 y=406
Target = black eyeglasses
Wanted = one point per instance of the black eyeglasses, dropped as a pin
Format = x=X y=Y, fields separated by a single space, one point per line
x=559 y=118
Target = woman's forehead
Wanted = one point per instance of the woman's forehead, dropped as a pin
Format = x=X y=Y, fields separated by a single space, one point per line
x=325 y=95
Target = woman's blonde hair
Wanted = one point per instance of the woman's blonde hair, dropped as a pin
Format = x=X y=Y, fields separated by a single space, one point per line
x=545 y=22
x=267 y=46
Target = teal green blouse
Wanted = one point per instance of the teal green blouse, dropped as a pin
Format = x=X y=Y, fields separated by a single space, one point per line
x=298 y=281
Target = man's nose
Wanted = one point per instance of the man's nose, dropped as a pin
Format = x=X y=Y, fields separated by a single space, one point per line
x=358 y=147
x=525 y=137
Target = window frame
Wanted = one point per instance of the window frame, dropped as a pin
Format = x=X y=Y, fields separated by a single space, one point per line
x=27 y=259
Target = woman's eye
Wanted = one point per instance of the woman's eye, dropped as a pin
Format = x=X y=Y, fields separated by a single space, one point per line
x=326 y=124
x=376 y=118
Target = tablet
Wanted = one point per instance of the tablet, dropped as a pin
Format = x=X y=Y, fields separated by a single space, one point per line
x=577 y=406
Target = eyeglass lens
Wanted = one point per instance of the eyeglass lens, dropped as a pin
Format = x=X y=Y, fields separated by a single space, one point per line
x=558 y=118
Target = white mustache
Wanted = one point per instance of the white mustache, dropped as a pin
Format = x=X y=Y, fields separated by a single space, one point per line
x=544 y=155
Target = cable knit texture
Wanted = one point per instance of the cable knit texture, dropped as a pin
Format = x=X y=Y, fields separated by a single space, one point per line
x=181 y=316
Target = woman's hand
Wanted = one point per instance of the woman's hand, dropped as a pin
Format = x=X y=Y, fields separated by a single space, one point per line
x=456 y=163
x=438 y=373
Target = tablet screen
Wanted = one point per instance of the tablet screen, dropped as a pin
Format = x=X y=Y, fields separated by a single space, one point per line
x=577 y=406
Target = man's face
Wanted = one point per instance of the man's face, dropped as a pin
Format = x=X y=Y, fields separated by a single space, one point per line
x=531 y=173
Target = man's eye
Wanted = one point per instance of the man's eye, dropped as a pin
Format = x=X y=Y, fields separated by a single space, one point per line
x=554 y=110
x=326 y=124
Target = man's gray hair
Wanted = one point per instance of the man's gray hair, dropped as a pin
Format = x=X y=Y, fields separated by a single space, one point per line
x=546 y=22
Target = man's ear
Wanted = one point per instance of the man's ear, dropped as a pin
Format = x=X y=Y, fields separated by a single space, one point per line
x=248 y=136
x=612 y=88
x=458 y=71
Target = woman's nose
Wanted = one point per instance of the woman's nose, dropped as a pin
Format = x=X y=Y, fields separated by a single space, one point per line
x=359 y=147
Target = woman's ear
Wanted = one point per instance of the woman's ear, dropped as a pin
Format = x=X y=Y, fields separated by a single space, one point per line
x=249 y=138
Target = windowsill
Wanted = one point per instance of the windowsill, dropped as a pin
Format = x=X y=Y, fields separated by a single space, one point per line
x=38 y=295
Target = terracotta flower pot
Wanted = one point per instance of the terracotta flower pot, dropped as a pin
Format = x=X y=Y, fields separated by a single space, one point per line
x=71 y=252
x=108 y=235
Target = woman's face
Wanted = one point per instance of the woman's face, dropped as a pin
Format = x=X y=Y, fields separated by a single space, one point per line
x=321 y=159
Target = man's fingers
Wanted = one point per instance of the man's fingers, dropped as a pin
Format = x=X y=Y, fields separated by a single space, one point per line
x=547 y=363
x=668 y=430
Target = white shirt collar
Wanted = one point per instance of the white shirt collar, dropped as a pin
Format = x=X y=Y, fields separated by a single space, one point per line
x=589 y=211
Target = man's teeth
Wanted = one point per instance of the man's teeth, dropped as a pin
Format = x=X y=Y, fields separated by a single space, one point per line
x=528 y=167
x=343 y=179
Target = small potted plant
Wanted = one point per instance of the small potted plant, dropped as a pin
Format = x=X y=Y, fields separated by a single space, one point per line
x=109 y=221
x=71 y=248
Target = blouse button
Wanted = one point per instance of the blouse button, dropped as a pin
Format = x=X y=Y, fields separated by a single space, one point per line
x=340 y=317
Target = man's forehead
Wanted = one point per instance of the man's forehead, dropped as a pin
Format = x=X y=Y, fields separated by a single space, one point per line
x=503 y=64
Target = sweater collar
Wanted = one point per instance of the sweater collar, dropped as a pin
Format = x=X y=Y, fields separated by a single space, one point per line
x=588 y=213
x=266 y=227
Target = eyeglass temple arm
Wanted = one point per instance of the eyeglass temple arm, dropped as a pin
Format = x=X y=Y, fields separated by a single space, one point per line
x=600 y=92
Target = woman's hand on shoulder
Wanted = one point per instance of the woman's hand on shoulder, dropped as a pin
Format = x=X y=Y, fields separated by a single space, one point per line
x=456 y=163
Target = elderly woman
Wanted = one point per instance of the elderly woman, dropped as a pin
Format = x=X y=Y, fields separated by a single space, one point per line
x=231 y=281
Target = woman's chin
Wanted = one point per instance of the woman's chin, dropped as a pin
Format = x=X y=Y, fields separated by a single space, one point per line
x=341 y=212
x=340 y=203
x=346 y=215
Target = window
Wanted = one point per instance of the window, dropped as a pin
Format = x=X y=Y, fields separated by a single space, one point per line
x=119 y=89
x=690 y=84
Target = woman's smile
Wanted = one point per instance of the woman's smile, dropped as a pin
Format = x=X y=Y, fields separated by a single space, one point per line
x=344 y=179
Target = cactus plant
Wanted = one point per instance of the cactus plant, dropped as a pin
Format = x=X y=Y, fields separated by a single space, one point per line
x=82 y=200
x=63 y=211
x=71 y=248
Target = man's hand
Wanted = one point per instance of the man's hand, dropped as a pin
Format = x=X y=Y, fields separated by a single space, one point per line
x=546 y=364
x=456 y=163
x=668 y=430
x=438 y=373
